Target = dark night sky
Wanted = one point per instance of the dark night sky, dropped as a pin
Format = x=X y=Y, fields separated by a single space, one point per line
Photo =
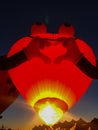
x=16 y=19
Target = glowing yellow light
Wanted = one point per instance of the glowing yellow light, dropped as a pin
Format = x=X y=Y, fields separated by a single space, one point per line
x=50 y=89
x=50 y=110
x=56 y=94
x=50 y=114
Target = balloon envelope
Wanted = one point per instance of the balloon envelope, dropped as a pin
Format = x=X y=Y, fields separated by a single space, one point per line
x=37 y=80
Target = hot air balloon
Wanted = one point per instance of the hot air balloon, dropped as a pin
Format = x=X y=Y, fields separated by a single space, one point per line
x=47 y=72
x=48 y=85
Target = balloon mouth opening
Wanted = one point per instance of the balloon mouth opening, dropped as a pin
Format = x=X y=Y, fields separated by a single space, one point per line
x=50 y=110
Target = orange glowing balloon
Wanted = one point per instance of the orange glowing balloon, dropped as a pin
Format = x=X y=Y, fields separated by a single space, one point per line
x=40 y=83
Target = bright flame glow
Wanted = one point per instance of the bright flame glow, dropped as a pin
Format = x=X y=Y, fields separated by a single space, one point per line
x=47 y=88
x=50 y=110
x=50 y=114
x=53 y=92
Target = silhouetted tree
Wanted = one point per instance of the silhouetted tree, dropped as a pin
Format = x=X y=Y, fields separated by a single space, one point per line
x=1 y=117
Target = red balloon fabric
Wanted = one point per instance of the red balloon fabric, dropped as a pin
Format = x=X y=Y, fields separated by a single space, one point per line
x=36 y=80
